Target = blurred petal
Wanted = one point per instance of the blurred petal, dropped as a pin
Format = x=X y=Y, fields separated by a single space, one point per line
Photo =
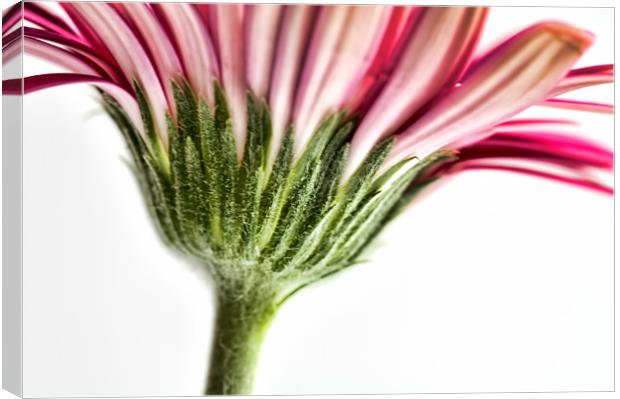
x=577 y=105
x=584 y=77
x=531 y=123
x=11 y=17
x=38 y=14
x=11 y=51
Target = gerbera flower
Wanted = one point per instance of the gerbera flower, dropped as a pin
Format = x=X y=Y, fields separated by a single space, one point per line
x=273 y=142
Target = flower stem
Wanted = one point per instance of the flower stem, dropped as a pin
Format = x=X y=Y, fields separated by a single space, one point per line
x=240 y=327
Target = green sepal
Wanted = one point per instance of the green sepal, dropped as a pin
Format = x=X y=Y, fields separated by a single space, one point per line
x=256 y=223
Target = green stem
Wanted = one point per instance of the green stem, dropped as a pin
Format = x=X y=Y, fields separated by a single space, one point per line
x=240 y=327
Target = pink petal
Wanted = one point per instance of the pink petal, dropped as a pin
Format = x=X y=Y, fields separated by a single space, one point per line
x=605 y=69
x=292 y=40
x=100 y=60
x=39 y=82
x=130 y=55
x=47 y=19
x=229 y=27
x=392 y=44
x=12 y=36
x=441 y=45
x=11 y=17
x=35 y=83
x=71 y=61
x=158 y=43
x=472 y=138
x=45 y=45
x=329 y=28
x=261 y=26
x=584 y=77
x=551 y=139
x=577 y=105
x=11 y=51
x=195 y=47
x=518 y=73
x=35 y=13
x=340 y=65
x=553 y=155
x=576 y=181
x=541 y=146
x=530 y=123
x=85 y=31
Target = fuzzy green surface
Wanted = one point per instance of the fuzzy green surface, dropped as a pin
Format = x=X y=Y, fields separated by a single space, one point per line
x=262 y=228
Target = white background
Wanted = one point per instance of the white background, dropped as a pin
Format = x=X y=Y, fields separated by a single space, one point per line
x=494 y=282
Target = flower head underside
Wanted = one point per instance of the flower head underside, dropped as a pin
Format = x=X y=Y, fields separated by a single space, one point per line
x=272 y=143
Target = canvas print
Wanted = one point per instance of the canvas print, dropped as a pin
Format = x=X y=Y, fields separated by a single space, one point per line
x=268 y=150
